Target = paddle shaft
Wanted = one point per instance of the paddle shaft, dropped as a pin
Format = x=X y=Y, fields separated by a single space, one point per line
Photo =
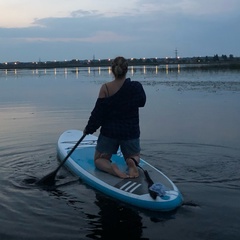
x=69 y=154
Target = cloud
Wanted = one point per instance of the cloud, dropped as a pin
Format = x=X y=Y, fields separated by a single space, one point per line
x=193 y=7
x=83 y=13
x=98 y=37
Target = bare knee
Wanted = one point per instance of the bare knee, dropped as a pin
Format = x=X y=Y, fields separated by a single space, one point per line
x=98 y=156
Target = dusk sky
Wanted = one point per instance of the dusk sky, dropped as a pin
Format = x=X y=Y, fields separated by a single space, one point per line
x=33 y=30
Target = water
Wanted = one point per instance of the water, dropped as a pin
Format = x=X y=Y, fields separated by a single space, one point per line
x=189 y=129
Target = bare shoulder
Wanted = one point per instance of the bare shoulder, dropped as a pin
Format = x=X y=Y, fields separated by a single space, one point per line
x=103 y=91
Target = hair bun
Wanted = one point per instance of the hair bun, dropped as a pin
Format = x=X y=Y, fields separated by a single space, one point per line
x=119 y=67
x=118 y=70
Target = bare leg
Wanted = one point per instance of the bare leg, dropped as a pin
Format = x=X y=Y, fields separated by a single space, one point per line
x=133 y=170
x=103 y=163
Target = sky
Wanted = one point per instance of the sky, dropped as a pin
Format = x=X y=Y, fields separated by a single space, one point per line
x=48 y=30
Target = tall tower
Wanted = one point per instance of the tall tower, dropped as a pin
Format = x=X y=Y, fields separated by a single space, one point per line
x=176 y=53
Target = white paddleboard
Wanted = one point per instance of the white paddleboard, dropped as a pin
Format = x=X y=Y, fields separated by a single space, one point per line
x=131 y=191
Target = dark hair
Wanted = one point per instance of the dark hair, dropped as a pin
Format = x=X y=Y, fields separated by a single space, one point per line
x=119 y=67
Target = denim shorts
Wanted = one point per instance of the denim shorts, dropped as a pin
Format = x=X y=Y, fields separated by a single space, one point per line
x=110 y=146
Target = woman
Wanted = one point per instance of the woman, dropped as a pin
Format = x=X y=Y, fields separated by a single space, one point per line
x=117 y=113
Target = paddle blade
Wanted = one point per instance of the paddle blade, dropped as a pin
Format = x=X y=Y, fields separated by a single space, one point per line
x=152 y=193
x=48 y=179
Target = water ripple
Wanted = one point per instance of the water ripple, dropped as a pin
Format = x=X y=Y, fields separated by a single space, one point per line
x=199 y=163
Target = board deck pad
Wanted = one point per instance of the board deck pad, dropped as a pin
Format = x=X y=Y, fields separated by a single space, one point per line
x=133 y=186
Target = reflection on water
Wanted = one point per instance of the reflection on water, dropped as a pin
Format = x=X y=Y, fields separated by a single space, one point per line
x=103 y=70
x=167 y=75
x=114 y=220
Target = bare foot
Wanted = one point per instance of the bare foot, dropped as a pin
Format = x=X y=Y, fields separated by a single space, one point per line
x=133 y=171
x=117 y=172
x=111 y=168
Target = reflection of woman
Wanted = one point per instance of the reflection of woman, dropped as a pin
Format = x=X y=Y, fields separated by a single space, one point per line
x=117 y=113
x=117 y=222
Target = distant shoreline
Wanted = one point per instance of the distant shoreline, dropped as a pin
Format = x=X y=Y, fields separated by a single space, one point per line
x=231 y=63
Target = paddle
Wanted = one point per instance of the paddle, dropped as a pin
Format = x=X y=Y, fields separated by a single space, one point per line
x=149 y=180
x=50 y=178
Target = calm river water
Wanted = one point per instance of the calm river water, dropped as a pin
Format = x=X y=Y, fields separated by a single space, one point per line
x=189 y=129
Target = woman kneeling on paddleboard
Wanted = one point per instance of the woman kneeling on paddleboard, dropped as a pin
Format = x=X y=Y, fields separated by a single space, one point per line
x=117 y=113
